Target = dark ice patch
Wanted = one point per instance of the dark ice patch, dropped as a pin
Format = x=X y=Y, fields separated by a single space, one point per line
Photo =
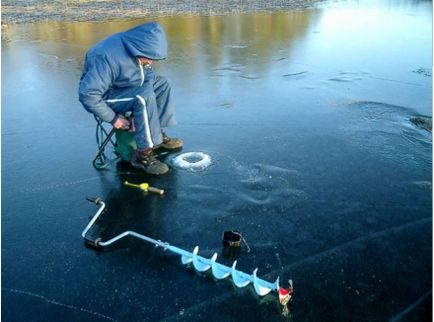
x=423 y=122
x=249 y=76
x=295 y=74
x=345 y=79
x=226 y=105
x=230 y=68
x=423 y=71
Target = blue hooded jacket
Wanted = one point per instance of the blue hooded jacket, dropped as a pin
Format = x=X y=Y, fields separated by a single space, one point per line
x=113 y=63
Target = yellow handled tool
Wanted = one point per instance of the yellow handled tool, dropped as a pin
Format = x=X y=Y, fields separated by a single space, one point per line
x=145 y=187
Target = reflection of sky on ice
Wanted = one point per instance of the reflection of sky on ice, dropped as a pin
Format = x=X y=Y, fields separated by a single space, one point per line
x=305 y=115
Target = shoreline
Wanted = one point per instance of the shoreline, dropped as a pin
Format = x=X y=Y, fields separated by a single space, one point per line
x=28 y=11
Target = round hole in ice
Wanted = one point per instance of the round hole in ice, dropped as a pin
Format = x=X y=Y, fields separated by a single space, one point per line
x=192 y=161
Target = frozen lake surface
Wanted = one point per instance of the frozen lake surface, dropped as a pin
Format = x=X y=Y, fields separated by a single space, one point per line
x=306 y=116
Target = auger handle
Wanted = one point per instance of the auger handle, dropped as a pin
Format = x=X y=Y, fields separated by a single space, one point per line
x=156 y=190
x=145 y=187
x=126 y=183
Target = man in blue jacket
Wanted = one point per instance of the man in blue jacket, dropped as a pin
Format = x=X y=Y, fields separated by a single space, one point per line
x=118 y=78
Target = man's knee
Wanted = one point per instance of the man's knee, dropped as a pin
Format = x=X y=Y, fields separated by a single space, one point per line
x=161 y=83
x=145 y=100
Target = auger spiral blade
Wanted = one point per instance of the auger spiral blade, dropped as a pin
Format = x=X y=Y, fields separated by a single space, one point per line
x=258 y=285
x=240 y=279
x=185 y=259
x=219 y=271
x=199 y=262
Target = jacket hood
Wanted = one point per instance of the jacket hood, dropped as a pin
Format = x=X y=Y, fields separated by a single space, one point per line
x=147 y=40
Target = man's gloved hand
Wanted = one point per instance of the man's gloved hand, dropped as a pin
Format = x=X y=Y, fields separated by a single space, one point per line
x=121 y=123
x=132 y=126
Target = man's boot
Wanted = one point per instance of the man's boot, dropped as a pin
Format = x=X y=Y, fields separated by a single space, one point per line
x=146 y=161
x=169 y=143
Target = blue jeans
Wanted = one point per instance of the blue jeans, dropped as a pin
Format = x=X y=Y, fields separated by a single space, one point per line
x=151 y=108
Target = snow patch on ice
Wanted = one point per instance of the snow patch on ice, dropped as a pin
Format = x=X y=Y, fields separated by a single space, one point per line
x=192 y=161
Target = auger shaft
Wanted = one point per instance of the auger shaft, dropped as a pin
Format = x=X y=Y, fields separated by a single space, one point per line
x=200 y=263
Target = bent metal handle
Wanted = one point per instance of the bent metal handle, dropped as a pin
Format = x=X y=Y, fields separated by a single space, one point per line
x=200 y=263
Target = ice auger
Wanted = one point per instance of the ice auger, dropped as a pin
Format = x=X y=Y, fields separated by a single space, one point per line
x=200 y=263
